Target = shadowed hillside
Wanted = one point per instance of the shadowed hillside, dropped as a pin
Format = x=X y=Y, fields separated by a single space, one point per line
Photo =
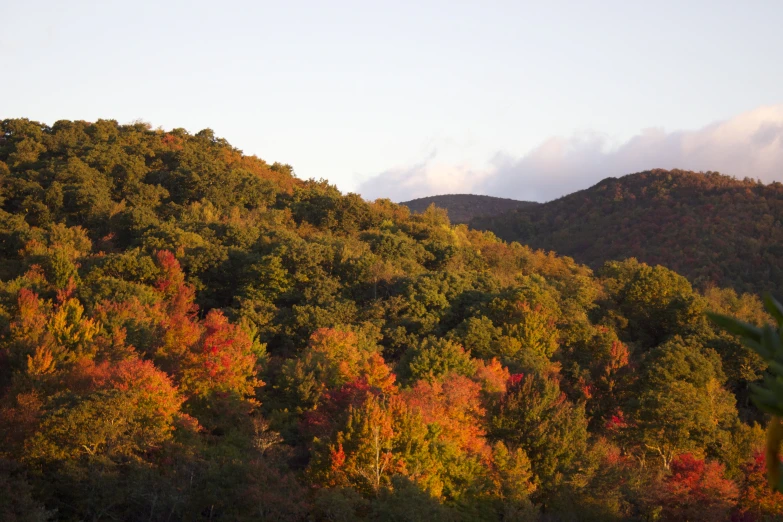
x=464 y=207
x=709 y=227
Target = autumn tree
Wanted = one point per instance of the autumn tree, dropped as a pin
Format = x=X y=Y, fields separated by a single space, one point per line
x=756 y=501
x=695 y=490
x=220 y=371
x=361 y=454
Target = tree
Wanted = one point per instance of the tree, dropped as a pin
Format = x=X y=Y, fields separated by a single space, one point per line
x=17 y=503
x=223 y=364
x=599 y=373
x=435 y=358
x=695 y=490
x=513 y=483
x=768 y=343
x=118 y=411
x=680 y=404
x=454 y=404
x=361 y=455
x=536 y=416
x=756 y=501
x=741 y=364
x=335 y=356
x=28 y=328
x=657 y=302
x=404 y=500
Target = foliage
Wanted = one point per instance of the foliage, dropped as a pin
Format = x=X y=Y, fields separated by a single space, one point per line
x=695 y=490
x=766 y=341
x=713 y=229
x=190 y=333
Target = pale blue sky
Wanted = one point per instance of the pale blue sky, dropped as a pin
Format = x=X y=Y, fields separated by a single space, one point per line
x=349 y=91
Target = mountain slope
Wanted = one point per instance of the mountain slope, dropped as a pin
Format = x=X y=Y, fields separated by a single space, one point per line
x=712 y=228
x=464 y=207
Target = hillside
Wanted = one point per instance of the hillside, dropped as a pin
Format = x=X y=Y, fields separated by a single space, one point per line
x=713 y=229
x=464 y=207
x=188 y=333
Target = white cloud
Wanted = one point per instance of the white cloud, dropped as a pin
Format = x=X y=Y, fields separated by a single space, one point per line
x=747 y=145
x=424 y=179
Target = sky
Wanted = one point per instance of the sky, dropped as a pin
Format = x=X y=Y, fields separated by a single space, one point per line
x=528 y=100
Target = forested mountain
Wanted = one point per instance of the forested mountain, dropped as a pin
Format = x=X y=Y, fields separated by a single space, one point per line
x=711 y=228
x=189 y=333
x=464 y=207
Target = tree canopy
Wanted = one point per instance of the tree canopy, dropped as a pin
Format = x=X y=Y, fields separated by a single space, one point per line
x=190 y=333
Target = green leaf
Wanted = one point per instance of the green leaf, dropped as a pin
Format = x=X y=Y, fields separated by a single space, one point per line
x=774 y=308
x=775 y=367
x=759 y=348
x=735 y=326
x=772 y=409
x=765 y=398
x=771 y=341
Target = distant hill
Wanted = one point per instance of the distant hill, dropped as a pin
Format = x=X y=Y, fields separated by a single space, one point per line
x=464 y=207
x=709 y=227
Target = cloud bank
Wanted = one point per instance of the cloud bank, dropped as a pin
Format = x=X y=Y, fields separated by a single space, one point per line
x=747 y=145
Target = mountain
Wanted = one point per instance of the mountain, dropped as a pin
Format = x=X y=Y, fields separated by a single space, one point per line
x=712 y=228
x=464 y=207
x=191 y=333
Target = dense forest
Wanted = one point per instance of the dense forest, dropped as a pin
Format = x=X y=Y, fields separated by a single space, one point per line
x=189 y=333
x=711 y=228
x=464 y=207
